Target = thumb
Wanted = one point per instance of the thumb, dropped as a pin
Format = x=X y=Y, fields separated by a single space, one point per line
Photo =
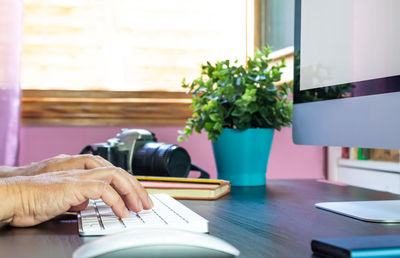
x=80 y=207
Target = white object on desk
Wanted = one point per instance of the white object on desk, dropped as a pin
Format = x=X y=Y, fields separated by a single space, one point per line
x=99 y=219
x=157 y=242
x=387 y=211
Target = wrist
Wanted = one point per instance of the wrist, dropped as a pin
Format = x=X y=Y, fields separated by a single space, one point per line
x=7 y=171
x=13 y=171
x=7 y=204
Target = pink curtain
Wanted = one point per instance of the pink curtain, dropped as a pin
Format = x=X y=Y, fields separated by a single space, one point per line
x=11 y=12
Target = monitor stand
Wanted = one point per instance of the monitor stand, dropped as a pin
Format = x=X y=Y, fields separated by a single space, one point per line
x=371 y=211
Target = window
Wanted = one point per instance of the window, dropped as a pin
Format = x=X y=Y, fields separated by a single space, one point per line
x=280 y=23
x=277 y=31
x=109 y=62
x=127 y=45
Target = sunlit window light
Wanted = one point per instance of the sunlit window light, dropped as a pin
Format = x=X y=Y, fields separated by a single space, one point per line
x=127 y=44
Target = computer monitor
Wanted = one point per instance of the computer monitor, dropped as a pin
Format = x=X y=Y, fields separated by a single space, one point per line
x=347 y=82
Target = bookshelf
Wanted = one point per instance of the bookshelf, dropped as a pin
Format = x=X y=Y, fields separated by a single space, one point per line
x=385 y=166
x=376 y=175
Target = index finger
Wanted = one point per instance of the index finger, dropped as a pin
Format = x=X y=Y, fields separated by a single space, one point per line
x=95 y=189
x=134 y=195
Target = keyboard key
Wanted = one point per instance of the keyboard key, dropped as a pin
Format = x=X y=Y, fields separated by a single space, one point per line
x=132 y=223
x=89 y=212
x=151 y=218
x=90 y=219
x=100 y=203
x=132 y=219
x=109 y=218
x=112 y=225
x=145 y=212
x=91 y=227
x=105 y=210
x=132 y=213
x=132 y=216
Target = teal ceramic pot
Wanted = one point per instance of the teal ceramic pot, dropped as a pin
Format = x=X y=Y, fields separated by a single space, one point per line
x=242 y=156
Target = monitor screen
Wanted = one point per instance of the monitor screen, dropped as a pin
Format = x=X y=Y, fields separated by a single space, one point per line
x=347 y=73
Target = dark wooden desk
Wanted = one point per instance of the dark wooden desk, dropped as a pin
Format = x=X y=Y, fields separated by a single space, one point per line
x=277 y=221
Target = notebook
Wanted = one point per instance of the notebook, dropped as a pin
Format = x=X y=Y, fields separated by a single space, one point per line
x=186 y=188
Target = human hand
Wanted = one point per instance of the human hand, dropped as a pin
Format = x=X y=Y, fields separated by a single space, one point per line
x=31 y=200
x=63 y=162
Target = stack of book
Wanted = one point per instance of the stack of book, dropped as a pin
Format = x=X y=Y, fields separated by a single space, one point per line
x=371 y=154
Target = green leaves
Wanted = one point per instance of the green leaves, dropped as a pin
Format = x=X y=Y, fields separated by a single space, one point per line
x=234 y=96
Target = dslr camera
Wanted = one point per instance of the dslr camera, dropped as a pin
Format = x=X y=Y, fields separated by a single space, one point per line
x=138 y=152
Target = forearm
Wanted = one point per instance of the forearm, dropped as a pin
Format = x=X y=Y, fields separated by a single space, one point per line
x=6 y=202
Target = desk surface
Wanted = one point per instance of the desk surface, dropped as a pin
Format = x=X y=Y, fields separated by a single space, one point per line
x=277 y=221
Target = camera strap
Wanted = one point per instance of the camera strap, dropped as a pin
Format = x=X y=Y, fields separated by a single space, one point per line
x=203 y=173
x=87 y=150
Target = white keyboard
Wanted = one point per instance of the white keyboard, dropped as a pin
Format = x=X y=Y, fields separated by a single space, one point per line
x=99 y=219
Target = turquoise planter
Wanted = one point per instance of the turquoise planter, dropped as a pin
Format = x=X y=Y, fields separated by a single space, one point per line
x=242 y=156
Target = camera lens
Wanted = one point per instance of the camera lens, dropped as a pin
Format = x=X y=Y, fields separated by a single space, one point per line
x=161 y=159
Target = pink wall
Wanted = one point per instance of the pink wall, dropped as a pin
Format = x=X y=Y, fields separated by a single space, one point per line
x=286 y=160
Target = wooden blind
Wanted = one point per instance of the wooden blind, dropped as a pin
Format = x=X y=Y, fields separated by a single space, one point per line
x=127 y=45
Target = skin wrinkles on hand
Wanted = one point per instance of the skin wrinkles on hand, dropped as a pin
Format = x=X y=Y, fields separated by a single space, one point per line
x=51 y=187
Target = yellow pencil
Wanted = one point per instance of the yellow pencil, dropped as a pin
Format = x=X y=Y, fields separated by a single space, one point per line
x=179 y=179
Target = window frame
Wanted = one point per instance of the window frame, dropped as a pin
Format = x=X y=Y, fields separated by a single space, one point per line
x=103 y=108
x=116 y=108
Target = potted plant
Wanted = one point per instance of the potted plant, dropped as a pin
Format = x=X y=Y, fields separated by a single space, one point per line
x=240 y=107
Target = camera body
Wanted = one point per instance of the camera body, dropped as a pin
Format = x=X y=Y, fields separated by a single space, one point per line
x=138 y=152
